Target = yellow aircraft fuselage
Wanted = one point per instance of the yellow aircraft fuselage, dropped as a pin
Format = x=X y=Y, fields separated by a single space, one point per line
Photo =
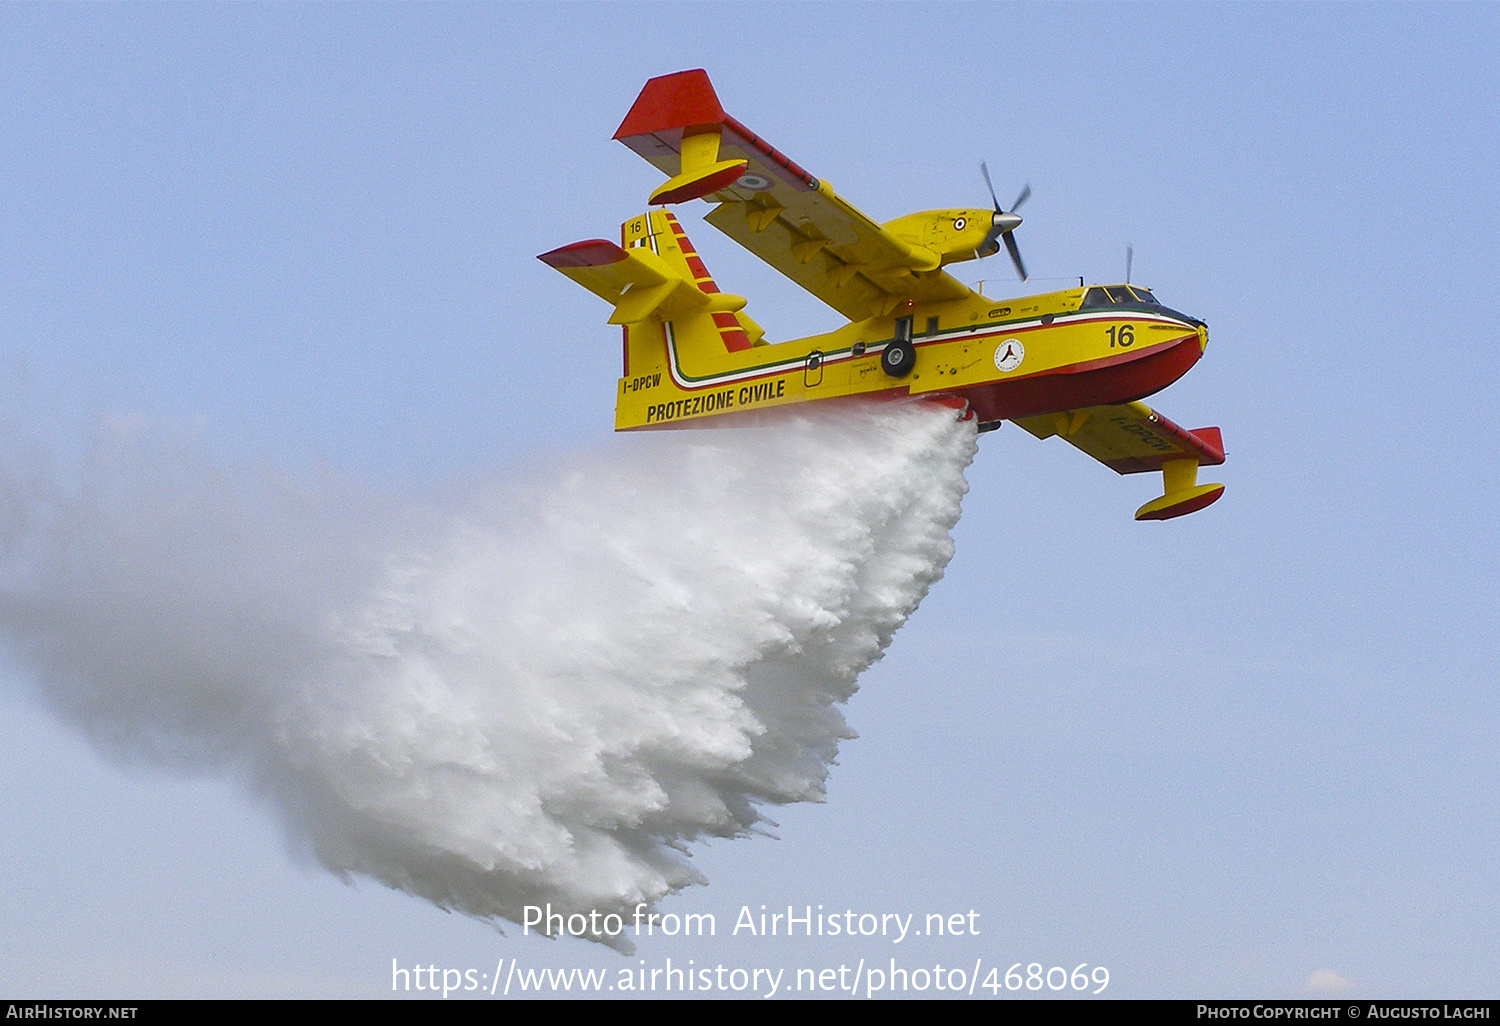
x=1006 y=358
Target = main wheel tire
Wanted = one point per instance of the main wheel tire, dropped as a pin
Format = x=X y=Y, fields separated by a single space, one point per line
x=898 y=358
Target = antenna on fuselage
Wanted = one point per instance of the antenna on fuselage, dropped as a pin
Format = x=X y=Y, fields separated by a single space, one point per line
x=1129 y=256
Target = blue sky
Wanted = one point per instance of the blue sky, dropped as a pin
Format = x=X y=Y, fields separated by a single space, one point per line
x=1216 y=755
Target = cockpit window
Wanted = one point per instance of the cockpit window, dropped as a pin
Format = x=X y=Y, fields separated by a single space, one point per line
x=1115 y=295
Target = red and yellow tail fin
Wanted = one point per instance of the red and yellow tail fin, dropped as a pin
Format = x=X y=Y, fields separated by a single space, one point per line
x=655 y=278
x=736 y=331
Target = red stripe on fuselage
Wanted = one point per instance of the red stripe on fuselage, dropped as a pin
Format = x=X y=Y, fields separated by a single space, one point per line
x=701 y=277
x=735 y=339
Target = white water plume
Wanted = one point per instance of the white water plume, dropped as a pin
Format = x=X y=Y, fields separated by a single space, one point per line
x=531 y=692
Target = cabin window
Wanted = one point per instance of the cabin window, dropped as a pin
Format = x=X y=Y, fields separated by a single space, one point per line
x=1117 y=295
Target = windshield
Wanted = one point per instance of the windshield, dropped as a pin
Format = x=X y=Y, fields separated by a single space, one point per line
x=1117 y=295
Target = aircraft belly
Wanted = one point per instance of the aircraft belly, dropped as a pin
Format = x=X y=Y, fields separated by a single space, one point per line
x=1095 y=383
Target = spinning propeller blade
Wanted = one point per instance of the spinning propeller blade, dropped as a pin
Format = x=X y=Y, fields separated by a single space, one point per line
x=1003 y=223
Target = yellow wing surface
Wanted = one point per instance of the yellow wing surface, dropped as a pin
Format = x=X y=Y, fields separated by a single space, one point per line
x=785 y=216
x=1132 y=438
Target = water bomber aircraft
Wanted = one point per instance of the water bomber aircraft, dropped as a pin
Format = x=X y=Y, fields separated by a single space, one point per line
x=1073 y=363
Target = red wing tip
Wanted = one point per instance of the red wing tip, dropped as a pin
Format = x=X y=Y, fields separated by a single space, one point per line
x=681 y=100
x=1213 y=442
x=590 y=253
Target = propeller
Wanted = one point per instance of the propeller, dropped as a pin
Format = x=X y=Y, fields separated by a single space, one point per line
x=1004 y=222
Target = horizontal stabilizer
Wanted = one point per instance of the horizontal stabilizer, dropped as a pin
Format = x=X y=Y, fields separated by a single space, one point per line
x=636 y=282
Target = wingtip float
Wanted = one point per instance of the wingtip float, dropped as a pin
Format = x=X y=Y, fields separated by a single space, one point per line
x=1073 y=363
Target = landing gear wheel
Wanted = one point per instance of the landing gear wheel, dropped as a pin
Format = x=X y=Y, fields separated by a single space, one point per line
x=898 y=358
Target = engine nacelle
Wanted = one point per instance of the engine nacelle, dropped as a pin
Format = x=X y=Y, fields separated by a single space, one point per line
x=950 y=235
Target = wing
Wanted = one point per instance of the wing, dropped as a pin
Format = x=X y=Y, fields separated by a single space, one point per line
x=772 y=207
x=1133 y=439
